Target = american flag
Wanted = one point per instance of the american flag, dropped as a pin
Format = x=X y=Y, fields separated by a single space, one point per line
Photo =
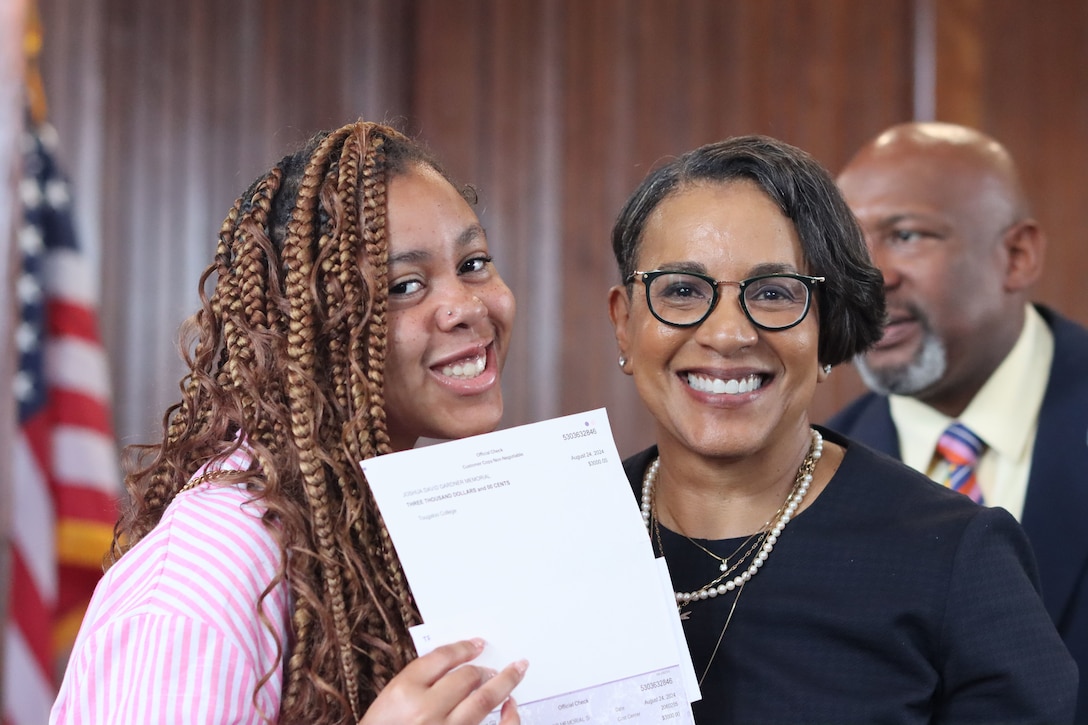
x=66 y=478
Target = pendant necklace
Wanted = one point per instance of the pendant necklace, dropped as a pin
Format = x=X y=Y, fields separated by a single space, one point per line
x=763 y=541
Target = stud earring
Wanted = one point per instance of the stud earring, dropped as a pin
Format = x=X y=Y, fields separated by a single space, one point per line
x=622 y=362
x=827 y=369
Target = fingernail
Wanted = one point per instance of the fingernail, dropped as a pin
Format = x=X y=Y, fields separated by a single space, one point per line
x=521 y=666
x=489 y=673
x=478 y=644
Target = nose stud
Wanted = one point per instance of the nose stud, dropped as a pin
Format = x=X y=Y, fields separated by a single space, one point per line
x=449 y=313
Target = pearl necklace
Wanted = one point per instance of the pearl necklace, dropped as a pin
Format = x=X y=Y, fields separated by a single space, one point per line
x=789 y=508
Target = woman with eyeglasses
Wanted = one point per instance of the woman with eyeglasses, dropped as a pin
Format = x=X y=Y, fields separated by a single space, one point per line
x=818 y=581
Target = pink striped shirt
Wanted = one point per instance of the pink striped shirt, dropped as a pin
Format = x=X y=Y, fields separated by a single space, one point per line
x=172 y=634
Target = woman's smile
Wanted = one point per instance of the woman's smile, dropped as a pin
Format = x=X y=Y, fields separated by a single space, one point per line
x=720 y=385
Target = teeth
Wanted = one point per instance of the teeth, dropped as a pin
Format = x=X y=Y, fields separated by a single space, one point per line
x=467 y=369
x=717 y=386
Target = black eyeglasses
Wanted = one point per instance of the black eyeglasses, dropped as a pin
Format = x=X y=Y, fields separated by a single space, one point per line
x=685 y=299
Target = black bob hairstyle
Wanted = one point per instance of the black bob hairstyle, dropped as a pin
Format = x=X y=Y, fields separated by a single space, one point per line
x=851 y=302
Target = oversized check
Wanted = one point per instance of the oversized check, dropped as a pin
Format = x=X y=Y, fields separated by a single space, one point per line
x=530 y=538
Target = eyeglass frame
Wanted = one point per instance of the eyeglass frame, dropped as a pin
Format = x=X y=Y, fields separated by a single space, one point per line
x=648 y=277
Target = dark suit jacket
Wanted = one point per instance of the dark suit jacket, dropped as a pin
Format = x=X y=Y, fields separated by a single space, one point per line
x=1056 y=507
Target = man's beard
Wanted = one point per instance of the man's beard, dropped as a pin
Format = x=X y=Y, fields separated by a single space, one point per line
x=923 y=371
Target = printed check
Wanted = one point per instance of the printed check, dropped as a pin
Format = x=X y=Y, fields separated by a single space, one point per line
x=530 y=538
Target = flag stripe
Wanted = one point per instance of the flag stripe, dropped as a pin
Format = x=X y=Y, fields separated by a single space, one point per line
x=100 y=509
x=68 y=277
x=34 y=517
x=78 y=365
x=32 y=614
x=84 y=458
x=65 y=319
x=77 y=581
x=30 y=693
x=83 y=542
x=31 y=449
x=74 y=408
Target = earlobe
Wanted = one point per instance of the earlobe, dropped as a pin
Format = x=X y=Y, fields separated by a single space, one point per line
x=1025 y=247
x=619 y=308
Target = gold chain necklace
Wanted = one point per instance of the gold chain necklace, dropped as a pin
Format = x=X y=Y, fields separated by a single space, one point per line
x=753 y=542
x=204 y=478
x=724 y=560
x=721 y=636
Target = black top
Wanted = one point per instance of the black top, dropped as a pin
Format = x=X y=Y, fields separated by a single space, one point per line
x=889 y=600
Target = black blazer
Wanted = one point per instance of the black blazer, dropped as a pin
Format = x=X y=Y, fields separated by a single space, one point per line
x=1056 y=507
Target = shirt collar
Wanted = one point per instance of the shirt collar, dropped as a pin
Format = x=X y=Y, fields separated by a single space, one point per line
x=1018 y=384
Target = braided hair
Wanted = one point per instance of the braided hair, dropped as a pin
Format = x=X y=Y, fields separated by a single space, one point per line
x=288 y=354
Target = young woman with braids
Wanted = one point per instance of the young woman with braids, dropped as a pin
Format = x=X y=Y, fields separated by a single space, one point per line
x=355 y=309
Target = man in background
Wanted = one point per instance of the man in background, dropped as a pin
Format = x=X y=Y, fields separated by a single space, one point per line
x=971 y=383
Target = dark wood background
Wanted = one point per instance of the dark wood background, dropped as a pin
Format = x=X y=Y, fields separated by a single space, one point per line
x=555 y=109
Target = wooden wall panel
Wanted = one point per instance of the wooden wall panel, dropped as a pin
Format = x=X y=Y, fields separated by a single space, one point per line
x=1017 y=71
x=555 y=109
x=602 y=86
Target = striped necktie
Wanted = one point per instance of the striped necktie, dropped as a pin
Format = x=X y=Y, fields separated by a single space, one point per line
x=961 y=448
